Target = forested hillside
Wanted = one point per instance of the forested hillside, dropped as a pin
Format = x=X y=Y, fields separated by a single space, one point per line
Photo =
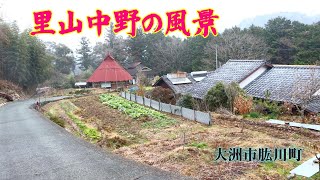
x=281 y=41
x=28 y=62
x=23 y=59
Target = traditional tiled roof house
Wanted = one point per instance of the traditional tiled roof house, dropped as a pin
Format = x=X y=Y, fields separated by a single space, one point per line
x=314 y=104
x=180 y=82
x=283 y=83
x=240 y=71
x=289 y=83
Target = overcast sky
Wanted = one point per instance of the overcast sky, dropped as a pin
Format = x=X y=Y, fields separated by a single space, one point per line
x=231 y=12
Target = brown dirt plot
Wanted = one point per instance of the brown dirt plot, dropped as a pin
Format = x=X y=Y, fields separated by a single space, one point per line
x=189 y=148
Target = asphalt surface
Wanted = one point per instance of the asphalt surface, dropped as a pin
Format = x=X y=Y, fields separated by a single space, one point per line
x=33 y=147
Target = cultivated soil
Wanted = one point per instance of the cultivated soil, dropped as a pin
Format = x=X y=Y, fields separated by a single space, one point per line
x=188 y=147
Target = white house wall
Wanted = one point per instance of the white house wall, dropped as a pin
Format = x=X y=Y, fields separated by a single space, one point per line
x=317 y=93
x=252 y=77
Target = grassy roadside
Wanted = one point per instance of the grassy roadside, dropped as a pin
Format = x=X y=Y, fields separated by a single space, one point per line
x=63 y=112
x=90 y=133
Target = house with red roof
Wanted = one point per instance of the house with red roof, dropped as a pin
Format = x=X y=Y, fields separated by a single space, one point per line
x=109 y=74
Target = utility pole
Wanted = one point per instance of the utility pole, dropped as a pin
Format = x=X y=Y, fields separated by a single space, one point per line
x=216 y=56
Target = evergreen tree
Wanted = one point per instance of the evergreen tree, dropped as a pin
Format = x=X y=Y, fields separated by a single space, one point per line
x=279 y=38
x=84 y=52
x=217 y=97
x=194 y=54
x=22 y=69
x=137 y=47
x=99 y=52
x=63 y=59
x=308 y=49
x=39 y=63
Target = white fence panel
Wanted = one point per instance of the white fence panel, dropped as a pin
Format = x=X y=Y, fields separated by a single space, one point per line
x=128 y=96
x=155 y=105
x=176 y=110
x=139 y=99
x=188 y=113
x=165 y=107
x=133 y=97
x=203 y=117
x=199 y=116
x=147 y=102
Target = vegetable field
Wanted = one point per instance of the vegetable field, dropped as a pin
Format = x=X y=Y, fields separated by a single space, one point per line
x=90 y=133
x=137 y=111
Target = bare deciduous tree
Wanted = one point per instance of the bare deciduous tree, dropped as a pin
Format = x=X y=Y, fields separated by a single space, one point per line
x=169 y=54
x=232 y=91
x=236 y=44
x=142 y=80
x=305 y=87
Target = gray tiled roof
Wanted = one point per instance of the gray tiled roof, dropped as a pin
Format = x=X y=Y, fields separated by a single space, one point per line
x=178 y=88
x=314 y=105
x=282 y=81
x=286 y=83
x=232 y=71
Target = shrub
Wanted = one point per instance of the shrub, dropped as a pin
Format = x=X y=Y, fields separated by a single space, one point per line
x=140 y=91
x=287 y=108
x=273 y=108
x=243 y=104
x=142 y=80
x=267 y=107
x=164 y=95
x=186 y=101
x=70 y=82
x=272 y=116
x=233 y=90
x=254 y=115
x=216 y=97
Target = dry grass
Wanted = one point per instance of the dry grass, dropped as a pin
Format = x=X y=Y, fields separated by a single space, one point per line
x=11 y=89
x=73 y=91
x=55 y=110
x=188 y=147
x=2 y=100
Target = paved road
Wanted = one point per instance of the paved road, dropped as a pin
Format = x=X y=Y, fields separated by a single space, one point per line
x=32 y=147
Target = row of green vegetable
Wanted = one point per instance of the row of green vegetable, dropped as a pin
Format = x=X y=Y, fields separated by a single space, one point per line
x=137 y=111
x=90 y=133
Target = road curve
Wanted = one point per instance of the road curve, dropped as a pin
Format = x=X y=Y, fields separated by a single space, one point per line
x=33 y=147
